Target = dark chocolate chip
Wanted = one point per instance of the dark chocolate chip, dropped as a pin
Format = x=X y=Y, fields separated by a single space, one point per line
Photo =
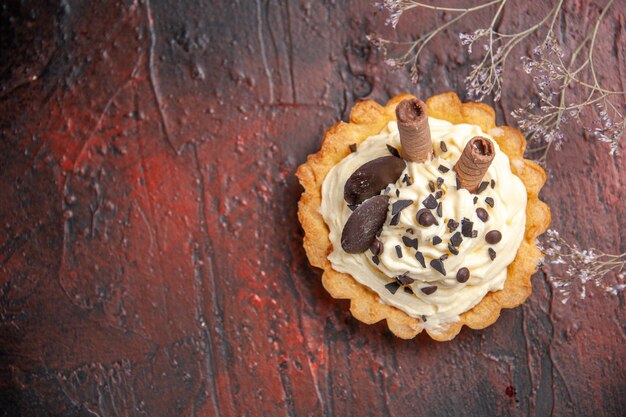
x=466 y=227
x=439 y=182
x=375 y=259
x=363 y=224
x=443 y=169
x=493 y=183
x=430 y=202
x=392 y=287
x=438 y=195
x=408 y=290
x=393 y=151
x=489 y=201
x=371 y=178
x=482 y=214
x=425 y=218
x=399 y=251
x=431 y=185
x=493 y=236
x=394 y=220
x=377 y=247
x=429 y=290
x=452 y=225
x=409 y=243
x=437 y=265
x=492 y=253
x=475 y=199
x=439 y=209
x=443 y=146
x=420 y=259
x=458 y=183
x=436 y=240
x=400 y=205
x=482 y=187
x=456 y=239
x=405 y=279
x=452 y=249
x=353 y=147
x=462 y=275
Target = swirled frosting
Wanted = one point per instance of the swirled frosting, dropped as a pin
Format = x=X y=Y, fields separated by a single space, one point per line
x=435 y=295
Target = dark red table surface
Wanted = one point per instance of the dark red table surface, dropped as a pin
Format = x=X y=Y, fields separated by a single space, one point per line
x=151 y=260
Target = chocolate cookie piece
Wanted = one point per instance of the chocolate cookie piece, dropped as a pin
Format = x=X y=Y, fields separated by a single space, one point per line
x=371 y=177
x=360 y=230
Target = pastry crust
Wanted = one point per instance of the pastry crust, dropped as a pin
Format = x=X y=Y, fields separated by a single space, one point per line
x=368 y=118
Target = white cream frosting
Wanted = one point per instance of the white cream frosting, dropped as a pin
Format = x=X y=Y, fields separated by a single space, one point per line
x=451 y=297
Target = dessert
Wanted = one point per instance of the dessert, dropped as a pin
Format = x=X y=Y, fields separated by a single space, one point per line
x=423 y=214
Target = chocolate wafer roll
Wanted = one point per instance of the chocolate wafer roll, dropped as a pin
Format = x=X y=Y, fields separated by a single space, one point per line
x=474 y=162
x=414 y=130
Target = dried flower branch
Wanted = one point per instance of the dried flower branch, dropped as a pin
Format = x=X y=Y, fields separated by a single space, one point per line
x=556 y=82
x=574 y=267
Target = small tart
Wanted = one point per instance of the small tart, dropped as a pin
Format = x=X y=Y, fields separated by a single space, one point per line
x=368 y=118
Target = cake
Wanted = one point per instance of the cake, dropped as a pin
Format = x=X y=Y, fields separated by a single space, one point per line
x=423 y=214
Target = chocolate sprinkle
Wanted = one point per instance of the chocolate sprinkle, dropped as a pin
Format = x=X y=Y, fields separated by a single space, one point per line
x=409 y=243
x=431 y=185
x=456 y=239
x=443 y=169
x=395 y=220
x=482 y=214
x=408 y=290
x=409 y=230
x=429 y=290
x=439 y=209
x=482 y=187
x=400 y=205
x=443 y=257
x=452 y=249
x=458 y=183
x=375 y=259
x=474 y=233
x=420 y=259
x=475 y=199
x=393 y=151
x=452 y=225
x=462 y=275
x=353 y=147
x=466 y=227
x=489 y=201
x=425 y=218
x=405 y=279
x=399 y=251
x=352 y=206
x=397 y=192
x=439 y=182
x=443 y=146
x=392 y=287
x=430 y=202
x=377 y=247
x=493 y=183
x=437 y=265
x=438 y=195
x=493 y=236
x=436 y=240
x=492 y=253
x=407 y=180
